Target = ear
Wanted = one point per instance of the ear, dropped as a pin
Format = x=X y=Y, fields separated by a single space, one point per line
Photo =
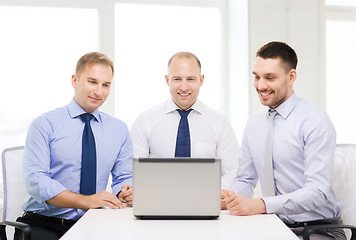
x=201 y=79
x=167 y=79
x=292 y=76
x=74 y=80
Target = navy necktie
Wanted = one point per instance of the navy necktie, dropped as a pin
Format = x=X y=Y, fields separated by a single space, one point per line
x=183 y=136
x=88 y=171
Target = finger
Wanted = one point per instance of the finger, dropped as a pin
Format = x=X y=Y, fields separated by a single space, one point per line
x=125 y=187
x=223 y=194
x=128 y=198
x=230 y=193
x=129 y=203
x=126 y=194
x=234 y=211
x=228 y=200
x=222 y=205
x=231 y=203
x=112 y=199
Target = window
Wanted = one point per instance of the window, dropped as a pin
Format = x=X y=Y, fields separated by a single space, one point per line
x=146 y=37
x=39 y=49
x=341 y=81
x=347 y=3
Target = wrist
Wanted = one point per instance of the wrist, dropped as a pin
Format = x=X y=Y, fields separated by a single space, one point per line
x=262 y=206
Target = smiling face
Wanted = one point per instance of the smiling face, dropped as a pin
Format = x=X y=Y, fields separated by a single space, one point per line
x=273 y=82
x=92 y=86
x=184 y=81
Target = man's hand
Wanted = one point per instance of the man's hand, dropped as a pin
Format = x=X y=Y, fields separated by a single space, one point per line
x=104 y=199
x=240 y=205
x=68 y=199
x=224 y=194
x=126 y=194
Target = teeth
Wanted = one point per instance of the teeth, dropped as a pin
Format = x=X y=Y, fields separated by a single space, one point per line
x=264 y=94
x=182 y=94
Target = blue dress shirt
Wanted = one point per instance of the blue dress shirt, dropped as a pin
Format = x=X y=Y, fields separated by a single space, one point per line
x=303 y=150
x=52 y=157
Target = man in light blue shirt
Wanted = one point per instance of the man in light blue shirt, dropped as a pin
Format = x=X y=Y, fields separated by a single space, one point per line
x=53 y=155
x=302 y=153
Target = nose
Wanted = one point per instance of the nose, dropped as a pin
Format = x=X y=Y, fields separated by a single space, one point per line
x=98 y=90
x=261 y=84
x=184 y=86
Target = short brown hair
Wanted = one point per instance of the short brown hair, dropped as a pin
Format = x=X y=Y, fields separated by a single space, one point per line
x=93 y=58
x=184 y=55
x=279 y=50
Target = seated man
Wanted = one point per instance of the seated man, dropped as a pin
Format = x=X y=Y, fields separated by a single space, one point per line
x=70 y=153
x=290 y=148
x=158 y=132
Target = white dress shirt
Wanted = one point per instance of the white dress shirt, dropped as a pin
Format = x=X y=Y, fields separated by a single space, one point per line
x=154 y=135
x=303 y=150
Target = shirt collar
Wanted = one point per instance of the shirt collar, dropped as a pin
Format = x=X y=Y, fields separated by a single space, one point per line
x=75 y=110
x=287 y=106
x=171 y=106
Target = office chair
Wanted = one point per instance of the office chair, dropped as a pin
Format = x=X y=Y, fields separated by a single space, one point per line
x=15 y=193
x=344 y=185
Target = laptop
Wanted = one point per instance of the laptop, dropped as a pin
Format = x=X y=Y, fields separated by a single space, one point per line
x=176 y=188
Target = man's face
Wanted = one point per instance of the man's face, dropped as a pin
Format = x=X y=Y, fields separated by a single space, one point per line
x=184 y=81
x=273 y=83
x=92 y=87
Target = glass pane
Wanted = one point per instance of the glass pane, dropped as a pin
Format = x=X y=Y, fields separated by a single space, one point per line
x=39 y=48
x=350 y=3
x=341 y=82
x=146 y=37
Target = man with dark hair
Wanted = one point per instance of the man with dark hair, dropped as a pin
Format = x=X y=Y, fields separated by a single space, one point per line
x=70 y=153
x=290 y=148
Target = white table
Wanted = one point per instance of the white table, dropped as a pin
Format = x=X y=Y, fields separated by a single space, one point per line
x=122 y=224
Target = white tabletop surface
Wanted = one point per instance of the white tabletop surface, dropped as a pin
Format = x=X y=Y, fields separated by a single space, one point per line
x=122 y=224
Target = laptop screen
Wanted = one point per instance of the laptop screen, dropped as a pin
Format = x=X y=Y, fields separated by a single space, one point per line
x=176 y=187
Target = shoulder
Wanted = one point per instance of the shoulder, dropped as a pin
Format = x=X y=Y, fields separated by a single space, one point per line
x=311 y=117
x=51 y=118
x=257 y=117
x=152 y=113
x=211 y=113
x=112 y=122
x=310 y=112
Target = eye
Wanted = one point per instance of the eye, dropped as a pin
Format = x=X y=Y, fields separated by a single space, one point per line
x=191 y=79
x=257 y=77
x=176 y=79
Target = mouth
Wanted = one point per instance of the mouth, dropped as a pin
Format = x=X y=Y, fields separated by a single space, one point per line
x=265 y=95
x=184 y=95
x=94 y=99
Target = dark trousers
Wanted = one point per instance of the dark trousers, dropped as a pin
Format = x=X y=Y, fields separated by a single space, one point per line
x=43 y=227
x=324 y=234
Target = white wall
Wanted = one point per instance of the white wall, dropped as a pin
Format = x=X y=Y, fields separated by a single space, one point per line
x=299 y=23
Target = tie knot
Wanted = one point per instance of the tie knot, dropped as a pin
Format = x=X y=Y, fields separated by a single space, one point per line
x=86 y=117
x=272 y=112
x=184 y=113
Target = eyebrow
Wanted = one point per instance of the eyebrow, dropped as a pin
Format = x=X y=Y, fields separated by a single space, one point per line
x=265 y=74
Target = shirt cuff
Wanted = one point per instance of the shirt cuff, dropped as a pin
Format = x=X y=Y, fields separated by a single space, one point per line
x=274 y=204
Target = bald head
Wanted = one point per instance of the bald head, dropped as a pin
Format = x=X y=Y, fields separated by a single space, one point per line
x=183 y=55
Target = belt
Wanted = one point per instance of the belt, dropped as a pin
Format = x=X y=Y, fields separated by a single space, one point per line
x=66 y=222
x=326 y=221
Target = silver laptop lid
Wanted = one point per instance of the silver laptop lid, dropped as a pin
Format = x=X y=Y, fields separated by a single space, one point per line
x=176 y=187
